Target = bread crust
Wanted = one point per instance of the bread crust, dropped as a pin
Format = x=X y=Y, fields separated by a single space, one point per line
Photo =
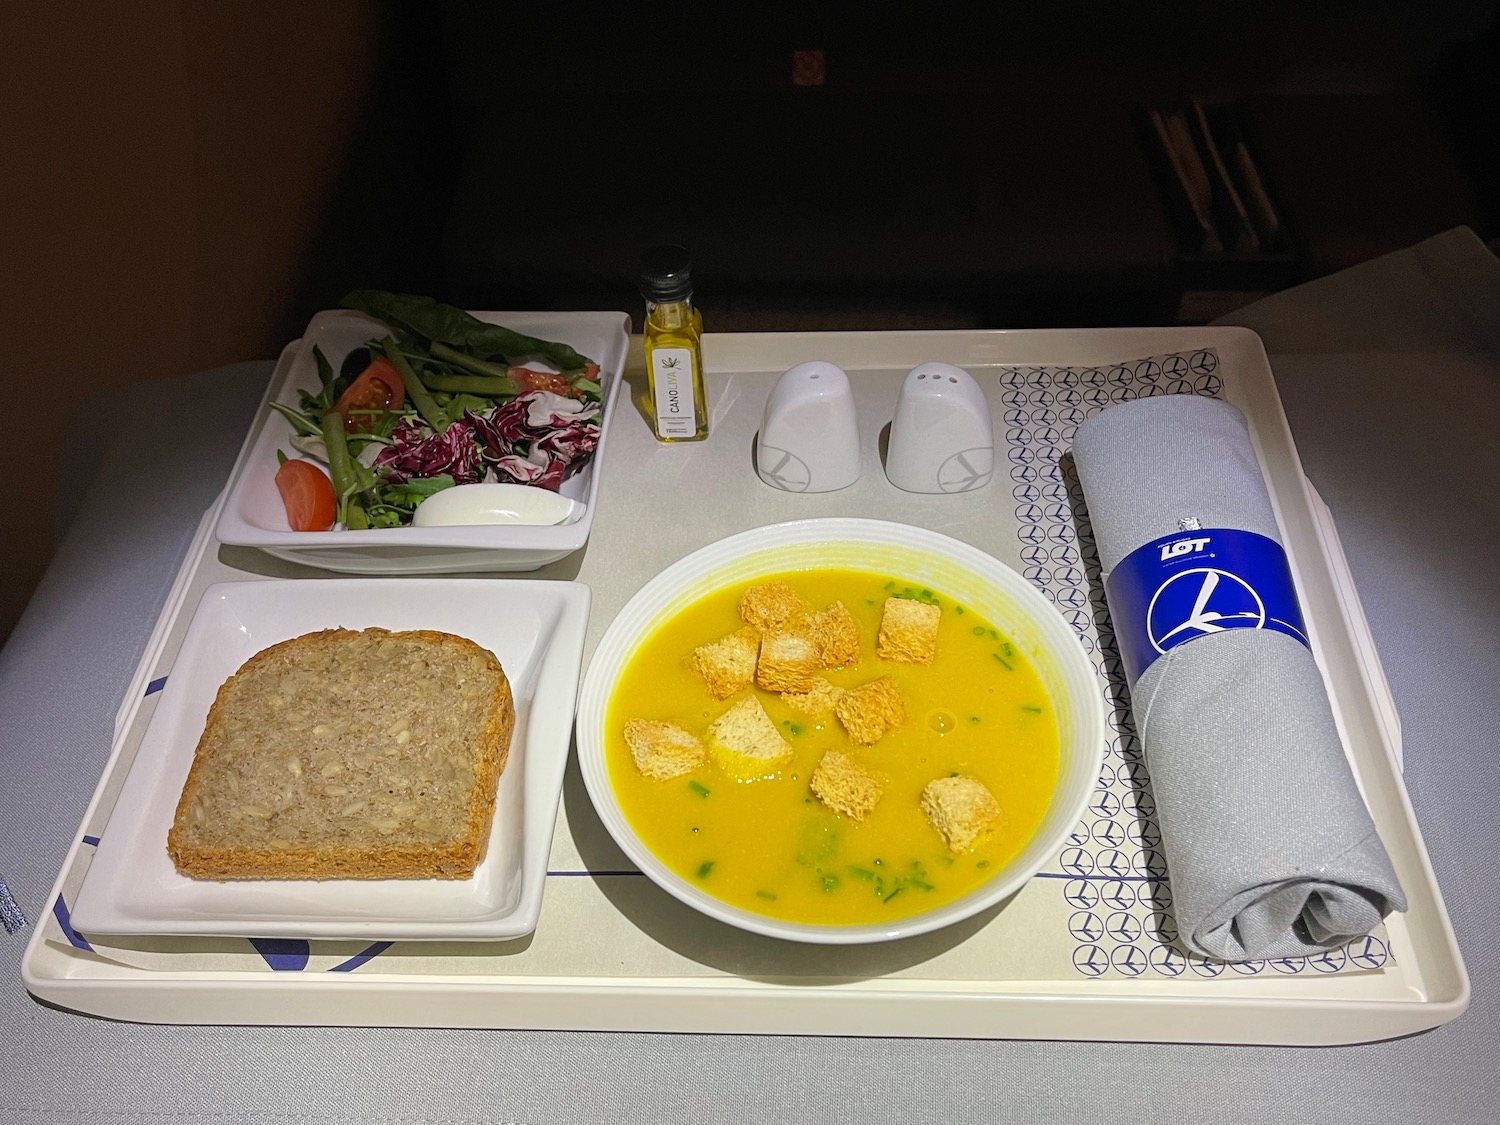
x=256 y=853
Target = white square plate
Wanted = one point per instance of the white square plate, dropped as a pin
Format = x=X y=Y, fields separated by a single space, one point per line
x=254 y=516
x=535 y=629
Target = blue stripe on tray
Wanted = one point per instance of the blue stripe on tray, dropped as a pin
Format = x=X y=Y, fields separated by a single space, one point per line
x=156 y=685
x=285 y=955
x=1039 y=875
x=360 y=958
x=1096 y=878
x=91 y=841
x=65 y=921
x=592 y=874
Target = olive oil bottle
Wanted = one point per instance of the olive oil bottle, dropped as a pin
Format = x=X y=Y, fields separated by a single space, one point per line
x=674 y=353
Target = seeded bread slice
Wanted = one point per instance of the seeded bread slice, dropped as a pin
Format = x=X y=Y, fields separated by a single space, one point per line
x=348 y=755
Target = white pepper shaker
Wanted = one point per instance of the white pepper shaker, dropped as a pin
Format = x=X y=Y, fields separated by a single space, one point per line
x=942 y=439
x=809 y=436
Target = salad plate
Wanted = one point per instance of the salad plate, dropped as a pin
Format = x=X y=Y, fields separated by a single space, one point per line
x=255 y=516
x=536 y=630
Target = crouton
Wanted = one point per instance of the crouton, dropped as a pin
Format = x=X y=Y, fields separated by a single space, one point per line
x=728 y=664
x=961 y=809
x=772 y=605
x=816 y=700
x=745 y=742
x=908 y=631
x=663 y=750
x=845 y=786
x=788 y=661
x=836 y=634
x=871 y=711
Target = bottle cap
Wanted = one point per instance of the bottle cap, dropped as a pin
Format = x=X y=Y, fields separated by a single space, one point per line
x=666 y=274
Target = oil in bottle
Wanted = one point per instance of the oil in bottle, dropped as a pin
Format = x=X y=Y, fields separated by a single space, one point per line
x=674 y=353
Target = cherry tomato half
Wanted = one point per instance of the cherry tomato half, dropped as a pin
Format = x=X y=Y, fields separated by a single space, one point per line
x=529 y=380
x=308 y=496
x=378 y=387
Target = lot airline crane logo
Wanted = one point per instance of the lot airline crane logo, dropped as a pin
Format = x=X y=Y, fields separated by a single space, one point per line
x=1181 y=587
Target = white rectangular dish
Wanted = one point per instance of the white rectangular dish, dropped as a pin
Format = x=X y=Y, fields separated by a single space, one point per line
x=535 y=629
x=611 y=952
x=254 y=515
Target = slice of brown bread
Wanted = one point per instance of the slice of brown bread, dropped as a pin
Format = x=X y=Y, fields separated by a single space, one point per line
x=348 y=755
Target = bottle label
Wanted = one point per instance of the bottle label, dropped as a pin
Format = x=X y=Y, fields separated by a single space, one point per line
x=1189 y=584
x=672 y=381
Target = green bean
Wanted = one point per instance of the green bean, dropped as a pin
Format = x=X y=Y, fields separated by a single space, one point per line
x=491 y=386
x=468 y=362
x=430 y=411
x=342 y=472
x=337 y=443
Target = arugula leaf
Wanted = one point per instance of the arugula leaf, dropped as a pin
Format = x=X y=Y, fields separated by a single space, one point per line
x=300 y=422
x=330 y=389
x=412 y=492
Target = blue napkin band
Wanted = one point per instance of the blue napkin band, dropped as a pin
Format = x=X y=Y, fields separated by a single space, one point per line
x=1195 y=583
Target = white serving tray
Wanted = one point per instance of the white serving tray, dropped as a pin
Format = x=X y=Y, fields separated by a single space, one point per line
x=613 y=952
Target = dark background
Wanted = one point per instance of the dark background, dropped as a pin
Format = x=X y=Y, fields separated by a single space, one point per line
x=187 y=183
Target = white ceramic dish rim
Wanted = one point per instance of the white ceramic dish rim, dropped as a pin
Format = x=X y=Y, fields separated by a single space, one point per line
x=606 y=333
x=502 y=900
x=1049 y=641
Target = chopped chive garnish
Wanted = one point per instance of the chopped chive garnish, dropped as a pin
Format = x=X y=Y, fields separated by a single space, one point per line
x=926 y=593
x=974 y=719
x=869 y=601
x=1030 y=710
x=889 y=585
x=704 y=868
x=695 y=830
x=918 y=883
x=863 y=873
x=958 y=609
x=1004 y=663
x=953 y=773
x=978 y=630
x=830 y=882
x=792 y=728
x=894 y=893
x=767 y=895
x=701 y=790
x=1005 y=648
x=994 y=636
x=982 y=864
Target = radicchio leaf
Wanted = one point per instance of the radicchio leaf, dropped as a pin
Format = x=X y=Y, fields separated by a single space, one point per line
x=411 y=454
x=538 y=438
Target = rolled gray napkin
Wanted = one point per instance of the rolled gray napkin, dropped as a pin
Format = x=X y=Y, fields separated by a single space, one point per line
x=1270 y=849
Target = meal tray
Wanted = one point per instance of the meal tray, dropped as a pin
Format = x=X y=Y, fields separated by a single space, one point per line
x=1083 y=952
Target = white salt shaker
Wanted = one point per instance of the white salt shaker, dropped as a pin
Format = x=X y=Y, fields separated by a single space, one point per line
x=941 y=439
x=809 y=437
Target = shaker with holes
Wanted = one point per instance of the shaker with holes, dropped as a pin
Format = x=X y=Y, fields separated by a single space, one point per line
x=942 y=439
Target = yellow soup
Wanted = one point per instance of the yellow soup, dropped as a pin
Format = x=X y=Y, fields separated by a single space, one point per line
x=978 y=710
